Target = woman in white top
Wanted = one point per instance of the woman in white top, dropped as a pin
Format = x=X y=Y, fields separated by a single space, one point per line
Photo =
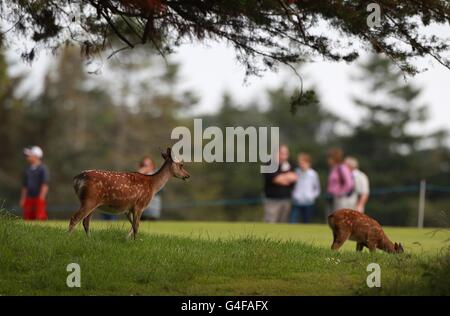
x=306 y=190
x=362 y=187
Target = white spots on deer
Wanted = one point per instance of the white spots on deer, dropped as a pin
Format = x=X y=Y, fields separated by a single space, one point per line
x=367 y=232
x=118 y=192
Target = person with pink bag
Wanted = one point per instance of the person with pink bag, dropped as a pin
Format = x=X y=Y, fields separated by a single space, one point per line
x=340 y=181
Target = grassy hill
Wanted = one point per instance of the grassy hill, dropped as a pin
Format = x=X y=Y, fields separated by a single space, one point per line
x=182 y=258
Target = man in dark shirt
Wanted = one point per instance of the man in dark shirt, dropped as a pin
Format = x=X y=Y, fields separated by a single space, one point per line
x=35 y=186
x=278 y=188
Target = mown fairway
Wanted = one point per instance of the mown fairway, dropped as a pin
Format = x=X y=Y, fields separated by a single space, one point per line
x=174 y=258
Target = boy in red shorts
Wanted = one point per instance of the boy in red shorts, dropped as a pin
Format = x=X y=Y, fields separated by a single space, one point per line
x=35 y=185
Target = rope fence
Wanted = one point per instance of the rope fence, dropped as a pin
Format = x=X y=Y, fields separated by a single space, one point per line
x=421 y=189
x=376 y=192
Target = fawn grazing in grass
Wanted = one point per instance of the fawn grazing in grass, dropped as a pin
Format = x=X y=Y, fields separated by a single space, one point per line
x=356 y=226
x=121 y=192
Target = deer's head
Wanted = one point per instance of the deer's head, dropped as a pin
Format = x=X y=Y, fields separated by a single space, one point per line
x=176 y=167
x=398 y=248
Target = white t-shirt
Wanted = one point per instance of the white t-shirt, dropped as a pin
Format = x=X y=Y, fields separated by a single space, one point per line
x=307 y=187
x=361 y=182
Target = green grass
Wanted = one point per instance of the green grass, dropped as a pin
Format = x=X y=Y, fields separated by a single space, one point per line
x=417 y=241
x=174 y=258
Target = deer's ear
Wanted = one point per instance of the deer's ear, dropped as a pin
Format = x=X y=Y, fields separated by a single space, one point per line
x=167 y=154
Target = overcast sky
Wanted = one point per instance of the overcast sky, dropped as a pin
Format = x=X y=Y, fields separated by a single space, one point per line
x=211 y=70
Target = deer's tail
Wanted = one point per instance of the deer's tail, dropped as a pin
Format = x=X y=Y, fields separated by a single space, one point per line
x=331 y=220
x=79 y=183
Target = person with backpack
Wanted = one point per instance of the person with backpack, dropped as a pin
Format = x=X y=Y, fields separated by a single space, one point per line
x=340 y=182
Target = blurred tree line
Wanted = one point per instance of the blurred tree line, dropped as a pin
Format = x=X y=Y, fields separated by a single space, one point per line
x=84 y=122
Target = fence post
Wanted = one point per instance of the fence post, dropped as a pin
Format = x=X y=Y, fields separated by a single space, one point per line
x=423 y=190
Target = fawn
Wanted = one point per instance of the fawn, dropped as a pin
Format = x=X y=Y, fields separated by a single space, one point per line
x=121 y=192
x=356 y=226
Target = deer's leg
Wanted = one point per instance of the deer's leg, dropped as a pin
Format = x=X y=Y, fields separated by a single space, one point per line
x=359 y=246
x=130 y=219
x=86 y=221
x=84 y=210
x=135 y=226
x=334 y=238
x=136 y=219
x=339 y=239
x=372 y=246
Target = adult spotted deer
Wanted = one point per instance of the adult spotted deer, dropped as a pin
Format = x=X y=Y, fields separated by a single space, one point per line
x=356 y=226
x=121 y=192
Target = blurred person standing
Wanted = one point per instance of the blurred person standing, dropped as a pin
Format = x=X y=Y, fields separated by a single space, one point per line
x=278 y=189
x=153 y=210
x=362 y=187
x=306 y=190
x=35 y=185
x=340 y=181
